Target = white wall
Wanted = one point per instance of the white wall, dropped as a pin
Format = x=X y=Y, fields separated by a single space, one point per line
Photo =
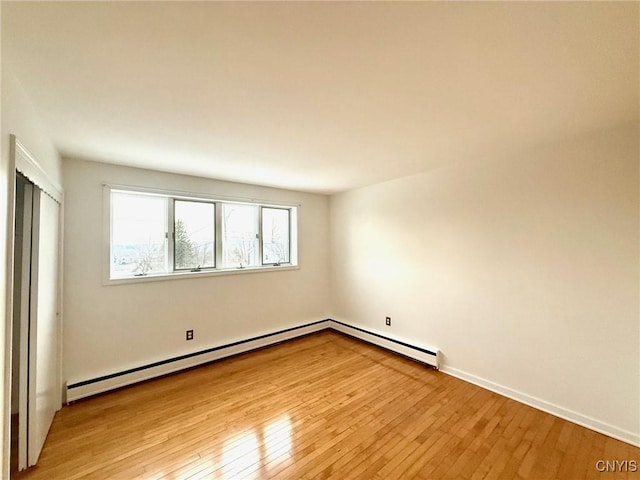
x=19 y=118
x=111 y=328
x=522 y=270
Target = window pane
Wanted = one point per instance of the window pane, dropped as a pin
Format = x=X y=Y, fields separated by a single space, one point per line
x=194 y=235
x=138 y=234
x=239 y=235
x=275 y=235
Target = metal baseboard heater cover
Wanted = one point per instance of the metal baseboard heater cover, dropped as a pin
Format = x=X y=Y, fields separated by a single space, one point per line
x=427 y=355
x=112 y=381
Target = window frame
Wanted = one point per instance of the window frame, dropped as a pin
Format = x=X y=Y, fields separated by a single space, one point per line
x=261 y=223
x=223 y=229
x=172 y=235
x=218 y=201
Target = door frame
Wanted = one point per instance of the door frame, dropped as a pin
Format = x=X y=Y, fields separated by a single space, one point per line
x=21 y=160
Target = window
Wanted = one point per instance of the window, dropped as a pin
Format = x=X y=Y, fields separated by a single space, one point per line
x=194 y=235
x=138 y=234
x=160 y=234
x=276 y=230
x=240 y=238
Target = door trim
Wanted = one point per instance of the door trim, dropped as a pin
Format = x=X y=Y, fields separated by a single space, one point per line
x=20 y=158
x=30 y=168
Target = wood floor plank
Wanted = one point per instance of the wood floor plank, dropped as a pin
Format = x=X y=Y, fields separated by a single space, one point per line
x=323 y=406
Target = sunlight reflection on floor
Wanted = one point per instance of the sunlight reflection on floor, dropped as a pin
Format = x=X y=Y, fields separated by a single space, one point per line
x=246 y=454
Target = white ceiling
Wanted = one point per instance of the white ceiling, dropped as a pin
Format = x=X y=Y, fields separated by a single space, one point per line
x=319 y=96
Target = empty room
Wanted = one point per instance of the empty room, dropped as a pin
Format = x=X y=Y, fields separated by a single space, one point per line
x=299 y=240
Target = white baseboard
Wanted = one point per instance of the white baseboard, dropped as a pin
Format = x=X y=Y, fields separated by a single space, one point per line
x=83 y=389
x=101 y=385
x=548 y=407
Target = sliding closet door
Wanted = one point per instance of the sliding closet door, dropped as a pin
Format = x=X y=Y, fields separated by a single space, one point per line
x=44 y=394
x=21 y=311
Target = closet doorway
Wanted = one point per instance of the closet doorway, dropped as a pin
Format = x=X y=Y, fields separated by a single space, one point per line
x=36 y=392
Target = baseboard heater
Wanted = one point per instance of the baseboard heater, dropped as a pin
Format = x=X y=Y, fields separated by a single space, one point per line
x=428 y=355
x=112 y=381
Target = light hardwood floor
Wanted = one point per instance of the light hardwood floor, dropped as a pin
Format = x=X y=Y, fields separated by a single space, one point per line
x=323 y=406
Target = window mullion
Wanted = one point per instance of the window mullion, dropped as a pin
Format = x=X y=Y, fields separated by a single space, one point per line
x=260 y=236
x=217 y=209
x=290 y=236
x=171 y=234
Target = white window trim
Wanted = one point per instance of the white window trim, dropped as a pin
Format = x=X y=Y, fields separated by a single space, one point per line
x=261 y=233
x=175 y=275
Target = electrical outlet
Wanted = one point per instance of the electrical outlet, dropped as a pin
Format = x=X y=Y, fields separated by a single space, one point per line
x=189 y=334
x=387 y=320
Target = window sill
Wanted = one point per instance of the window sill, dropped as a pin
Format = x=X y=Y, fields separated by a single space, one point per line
x=204 y=273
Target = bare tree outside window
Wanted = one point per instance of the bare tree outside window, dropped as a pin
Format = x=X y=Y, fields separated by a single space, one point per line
x=275 y=232
x=138 y=234
x=148 y=258
x=240 y=235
